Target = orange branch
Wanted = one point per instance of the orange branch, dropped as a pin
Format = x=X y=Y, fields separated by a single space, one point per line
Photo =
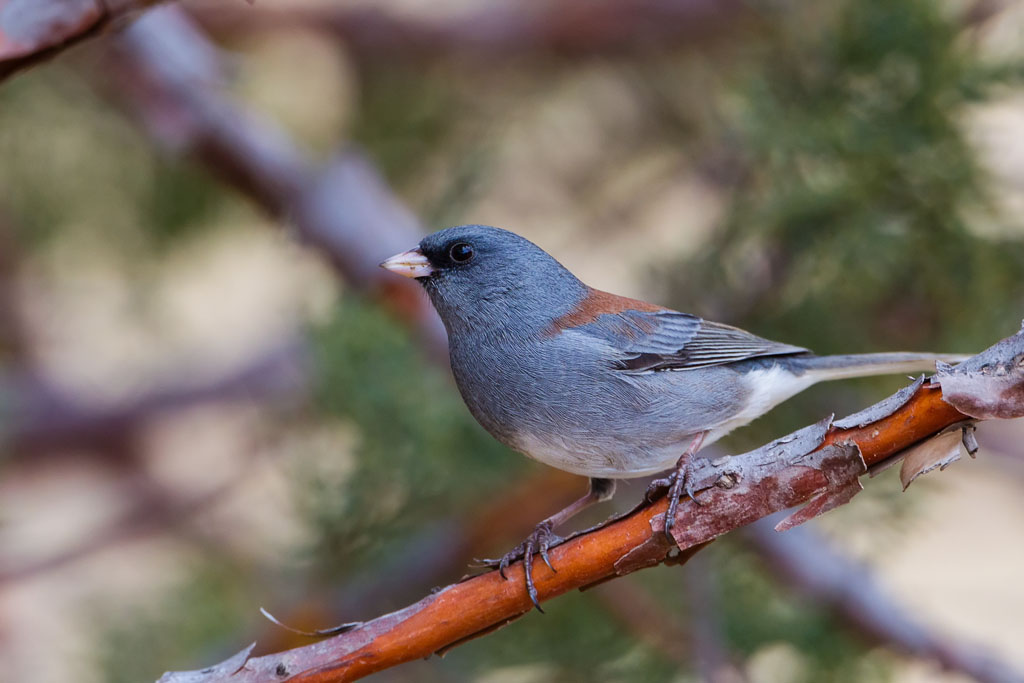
x=925 y=414
x=486 y=602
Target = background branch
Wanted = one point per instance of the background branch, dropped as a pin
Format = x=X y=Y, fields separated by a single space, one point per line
x=808 y=563
x=169 y=76
x=495 y=30
x=45 y=418
x=32 y=31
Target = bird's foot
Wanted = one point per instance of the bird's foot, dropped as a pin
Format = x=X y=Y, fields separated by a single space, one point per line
x=538 y=542
x=673 y=482
x=677 y=483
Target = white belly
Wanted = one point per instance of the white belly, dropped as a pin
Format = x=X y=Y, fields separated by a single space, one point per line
x=766 y=389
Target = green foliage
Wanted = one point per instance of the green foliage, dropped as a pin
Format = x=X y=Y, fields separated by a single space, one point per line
x=179 y=200
x=420 y=455
x=195 y=623
x=53 y=128
x=69 y=164
x=409 y=118
x=406 y=114
x=848 y=230
x=756 y=613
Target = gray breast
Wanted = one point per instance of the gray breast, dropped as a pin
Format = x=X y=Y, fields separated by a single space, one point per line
x=558 y=400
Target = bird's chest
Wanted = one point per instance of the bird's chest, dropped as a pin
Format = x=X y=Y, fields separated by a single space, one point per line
x=503 y=383
x=555 y=402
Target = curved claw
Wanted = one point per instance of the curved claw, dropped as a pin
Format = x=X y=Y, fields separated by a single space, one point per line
x=544 y=555
x=655 y=488
x=537 y=543
x=678 y=482
x=674 y=492
x=688 y=487
x=531 y=590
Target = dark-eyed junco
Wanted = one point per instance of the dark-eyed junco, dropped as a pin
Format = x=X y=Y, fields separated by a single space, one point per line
x=598 y=384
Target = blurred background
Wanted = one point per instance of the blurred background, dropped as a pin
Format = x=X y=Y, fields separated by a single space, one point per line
x=213 y=401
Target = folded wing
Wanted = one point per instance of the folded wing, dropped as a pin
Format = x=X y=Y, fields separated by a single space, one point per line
x=669 y=340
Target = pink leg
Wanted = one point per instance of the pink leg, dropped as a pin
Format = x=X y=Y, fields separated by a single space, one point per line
x=543 y=537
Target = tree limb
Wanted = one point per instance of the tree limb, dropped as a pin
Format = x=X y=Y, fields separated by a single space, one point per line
x=42 y=418
x=168 y=75
x=32 y=31
x=806 y=562
x=495 y=30
x=819 y=465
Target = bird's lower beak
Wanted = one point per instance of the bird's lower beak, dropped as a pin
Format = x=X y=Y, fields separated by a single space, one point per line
x=410 y=263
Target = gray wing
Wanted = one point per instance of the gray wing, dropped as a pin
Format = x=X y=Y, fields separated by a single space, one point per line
x=668 y=340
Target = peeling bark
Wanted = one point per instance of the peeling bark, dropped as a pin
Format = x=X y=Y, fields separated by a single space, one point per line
x=819 y=465
x=990 y=384
x=937 y=452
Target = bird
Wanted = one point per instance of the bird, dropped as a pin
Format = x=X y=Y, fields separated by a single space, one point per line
x=597 y=384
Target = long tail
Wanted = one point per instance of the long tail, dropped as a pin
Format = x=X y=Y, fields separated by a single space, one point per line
x=823 y=368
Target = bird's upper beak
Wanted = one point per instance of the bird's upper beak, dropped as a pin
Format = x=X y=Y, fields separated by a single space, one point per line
x=410 y=263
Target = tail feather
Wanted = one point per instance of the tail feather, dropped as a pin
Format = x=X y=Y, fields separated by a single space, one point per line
x=824 y=368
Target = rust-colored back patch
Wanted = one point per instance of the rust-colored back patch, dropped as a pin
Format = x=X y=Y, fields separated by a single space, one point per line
x=599 y=303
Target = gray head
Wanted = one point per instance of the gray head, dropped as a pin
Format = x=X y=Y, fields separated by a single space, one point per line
x=481 y=279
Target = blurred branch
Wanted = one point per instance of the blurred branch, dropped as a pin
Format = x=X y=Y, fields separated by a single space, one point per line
x=152 y=507
x=46 y=419
x=42 y=417
x=709 y=653
x=14 y=338
x=819 y=465
x=169 y=76
x=656 y=622
x=648 y=619
x=805 y=561
x=39 y=416
x=494 y=30
x=979 y=12
x=32 y=31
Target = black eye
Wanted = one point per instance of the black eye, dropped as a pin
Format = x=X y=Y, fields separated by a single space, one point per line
x=461 y=252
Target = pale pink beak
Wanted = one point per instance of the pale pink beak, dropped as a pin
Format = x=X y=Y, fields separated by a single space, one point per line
x=410 y=263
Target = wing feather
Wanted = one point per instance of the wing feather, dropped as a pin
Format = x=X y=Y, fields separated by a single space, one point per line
x=669 y=340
